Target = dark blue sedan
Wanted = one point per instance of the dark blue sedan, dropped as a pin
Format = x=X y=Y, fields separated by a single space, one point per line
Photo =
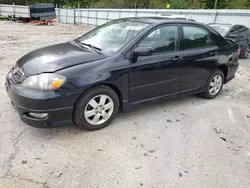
x=116 y=66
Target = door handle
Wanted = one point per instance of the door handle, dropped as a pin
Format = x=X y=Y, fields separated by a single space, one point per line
x=177 y=58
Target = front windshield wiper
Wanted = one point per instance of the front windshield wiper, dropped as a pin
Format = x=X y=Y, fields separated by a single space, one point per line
x=98 y=50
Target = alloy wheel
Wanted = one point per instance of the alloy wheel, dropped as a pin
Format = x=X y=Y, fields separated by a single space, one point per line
x=246 y=53
x=99 y=109
x=215 y=85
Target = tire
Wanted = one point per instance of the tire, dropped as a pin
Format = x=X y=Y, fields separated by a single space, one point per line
x=244 y=54
x=89 y=107
x=211 y=95
x=49 y=23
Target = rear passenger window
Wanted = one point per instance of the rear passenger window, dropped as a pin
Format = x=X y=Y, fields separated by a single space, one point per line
x=196 y=37
x=234 y=30
x=242 y=32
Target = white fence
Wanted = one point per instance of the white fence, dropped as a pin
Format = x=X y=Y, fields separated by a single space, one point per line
x=100 y=16
x=14 y=10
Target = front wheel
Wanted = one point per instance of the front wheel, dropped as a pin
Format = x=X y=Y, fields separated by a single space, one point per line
x=96 y=108
x=214 y=85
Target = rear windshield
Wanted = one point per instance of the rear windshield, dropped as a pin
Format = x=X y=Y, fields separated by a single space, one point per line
x=222 y=29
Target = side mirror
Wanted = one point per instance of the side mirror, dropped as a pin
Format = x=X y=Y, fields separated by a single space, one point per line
x=142 y=51
x=232 y=35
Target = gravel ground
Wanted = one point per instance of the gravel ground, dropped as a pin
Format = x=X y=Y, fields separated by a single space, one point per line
x=184 y=143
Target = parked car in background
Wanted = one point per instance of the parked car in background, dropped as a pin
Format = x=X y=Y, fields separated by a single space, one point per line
x=236 y=33
x=119 y=65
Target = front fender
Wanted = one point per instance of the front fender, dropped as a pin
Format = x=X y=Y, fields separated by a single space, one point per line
x=83 y=77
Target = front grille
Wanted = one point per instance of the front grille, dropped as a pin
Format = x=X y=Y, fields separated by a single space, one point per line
x=17 y=75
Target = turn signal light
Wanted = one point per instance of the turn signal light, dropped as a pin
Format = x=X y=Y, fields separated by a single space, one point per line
x=56 y=84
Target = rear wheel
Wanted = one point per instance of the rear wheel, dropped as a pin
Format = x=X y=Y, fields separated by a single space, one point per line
x=49 y=23
x=214 y=85
x=96 y=108
x=244 y=53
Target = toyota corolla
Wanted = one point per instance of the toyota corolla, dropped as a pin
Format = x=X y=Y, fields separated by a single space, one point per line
x=117 y=66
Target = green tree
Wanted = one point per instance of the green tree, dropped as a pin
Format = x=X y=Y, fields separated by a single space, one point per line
x=237 y=4
x=179 y=4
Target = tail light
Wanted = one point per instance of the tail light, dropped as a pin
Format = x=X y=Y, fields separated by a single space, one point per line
x=238 y=52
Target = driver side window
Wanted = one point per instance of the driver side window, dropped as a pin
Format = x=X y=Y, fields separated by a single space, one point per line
x=162 y=40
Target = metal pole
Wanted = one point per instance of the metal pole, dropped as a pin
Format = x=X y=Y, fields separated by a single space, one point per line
x=81 y=17
x=215 y=4
x=107 y=16
x=96 y=17
x=66 y=15
x=74 y=19
x=88 y=17
x=78 y=13
x=59 y=14
x=215 y=16
x=14 y=8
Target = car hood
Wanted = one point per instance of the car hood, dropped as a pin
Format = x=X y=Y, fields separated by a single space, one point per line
x=55 y=57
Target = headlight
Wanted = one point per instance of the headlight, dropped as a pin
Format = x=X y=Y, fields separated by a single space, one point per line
x=46 y=81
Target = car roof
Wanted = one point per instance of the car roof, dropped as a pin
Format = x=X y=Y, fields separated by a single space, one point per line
x=158 y=19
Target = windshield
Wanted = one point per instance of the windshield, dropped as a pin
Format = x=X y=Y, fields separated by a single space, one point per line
x=111 y=37
x=222 y=29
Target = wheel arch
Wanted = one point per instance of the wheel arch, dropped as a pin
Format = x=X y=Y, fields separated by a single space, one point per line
x=118 y=92
x=111 y=86
x=224 y=69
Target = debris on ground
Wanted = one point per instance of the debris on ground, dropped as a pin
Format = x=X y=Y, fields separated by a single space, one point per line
x=224 y=139
x=24 y=162
x=169 y=121
x=217 y=131
x=59 y=174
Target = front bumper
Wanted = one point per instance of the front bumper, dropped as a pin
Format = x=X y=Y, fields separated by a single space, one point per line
x=58 y=105
x=56 y=117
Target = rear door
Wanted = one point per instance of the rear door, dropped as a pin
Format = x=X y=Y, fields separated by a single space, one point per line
x=242 y=37
x=199 y=56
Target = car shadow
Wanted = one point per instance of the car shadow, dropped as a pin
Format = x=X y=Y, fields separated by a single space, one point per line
x=150 y=107
x=142 y=110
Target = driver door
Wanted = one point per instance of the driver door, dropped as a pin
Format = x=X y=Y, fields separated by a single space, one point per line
x=158 y=74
